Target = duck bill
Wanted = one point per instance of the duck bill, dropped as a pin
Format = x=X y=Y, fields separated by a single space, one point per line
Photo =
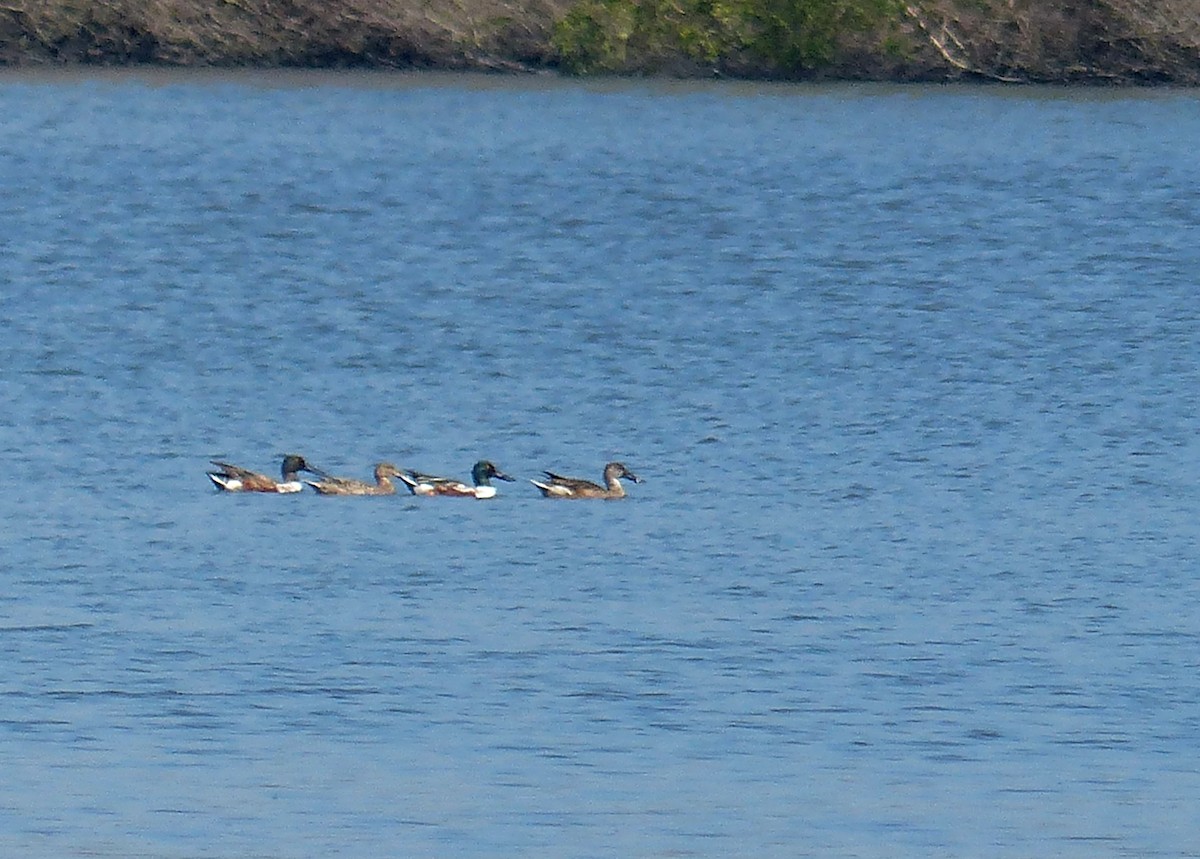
x=500 y=475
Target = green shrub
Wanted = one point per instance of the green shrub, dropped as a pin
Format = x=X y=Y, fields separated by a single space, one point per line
x=802 y=34
x=594 y=35
x=639 y=35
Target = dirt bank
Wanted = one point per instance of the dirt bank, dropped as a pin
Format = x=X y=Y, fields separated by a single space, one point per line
x=1069 y=41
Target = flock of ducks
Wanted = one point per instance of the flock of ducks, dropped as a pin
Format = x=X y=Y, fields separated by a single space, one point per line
x=233 y=478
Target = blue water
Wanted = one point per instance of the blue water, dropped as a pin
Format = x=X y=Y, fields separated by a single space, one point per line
x=910 y=374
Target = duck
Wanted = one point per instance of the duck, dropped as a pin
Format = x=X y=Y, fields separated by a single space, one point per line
x=234 y=478
x=383 y=485
x=480 y=486
x=557 y=486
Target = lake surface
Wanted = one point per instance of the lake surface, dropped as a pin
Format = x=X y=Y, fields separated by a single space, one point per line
x=910 y=376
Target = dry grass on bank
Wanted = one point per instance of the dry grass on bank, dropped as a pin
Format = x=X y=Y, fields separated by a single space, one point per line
x=441 y=33
x=1071 y=40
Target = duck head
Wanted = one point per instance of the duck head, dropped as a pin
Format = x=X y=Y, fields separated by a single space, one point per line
x=484 y=471
x=385 y=470
x=293 y=463
x=617 y=469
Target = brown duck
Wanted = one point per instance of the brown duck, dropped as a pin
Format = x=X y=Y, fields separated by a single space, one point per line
x=383 y=485
x=557 y=486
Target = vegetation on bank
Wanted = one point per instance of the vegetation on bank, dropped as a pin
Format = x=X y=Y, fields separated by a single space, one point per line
x=1068 y=41
x=783 y=36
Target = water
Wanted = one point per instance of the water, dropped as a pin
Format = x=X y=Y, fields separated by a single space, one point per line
x=911 y=376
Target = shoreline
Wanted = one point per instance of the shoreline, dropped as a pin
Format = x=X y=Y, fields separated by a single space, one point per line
x=158 y=75
x=161 y=77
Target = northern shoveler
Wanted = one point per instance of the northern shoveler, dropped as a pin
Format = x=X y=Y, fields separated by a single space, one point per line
x=232 y=478
x=350 y=486
x=481 y=474
x=557 y=486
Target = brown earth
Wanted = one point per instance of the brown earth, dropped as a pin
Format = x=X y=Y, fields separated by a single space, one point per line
x=1069 y=41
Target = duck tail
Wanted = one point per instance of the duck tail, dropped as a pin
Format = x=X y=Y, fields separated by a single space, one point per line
x=409 y=479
